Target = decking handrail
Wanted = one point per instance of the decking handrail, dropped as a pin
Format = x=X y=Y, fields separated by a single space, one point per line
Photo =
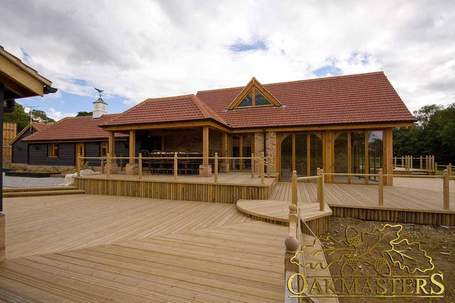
x=294 y=238
x=445 y=177
x=255 y=160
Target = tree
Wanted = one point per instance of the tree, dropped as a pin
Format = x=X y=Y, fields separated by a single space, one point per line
x=433 y=134
x=22 y=119
x=82 y=114
x=18 y=116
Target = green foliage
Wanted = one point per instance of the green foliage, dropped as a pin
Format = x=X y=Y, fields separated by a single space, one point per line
x=22 y=119
x=40 y=115
x=18 y=116
x=434 y=134
x=81 y=114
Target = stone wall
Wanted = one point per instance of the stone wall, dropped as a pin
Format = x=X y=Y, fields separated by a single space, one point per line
x=271 y=149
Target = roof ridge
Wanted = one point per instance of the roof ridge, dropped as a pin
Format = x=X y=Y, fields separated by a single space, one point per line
x=205 y=109
x=297 y=81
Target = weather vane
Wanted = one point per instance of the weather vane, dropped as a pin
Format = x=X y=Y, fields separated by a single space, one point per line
x=100 y=91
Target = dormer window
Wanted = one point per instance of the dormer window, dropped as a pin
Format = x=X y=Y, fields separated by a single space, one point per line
x=254 y=98
x=247 y=101
x=254 y=95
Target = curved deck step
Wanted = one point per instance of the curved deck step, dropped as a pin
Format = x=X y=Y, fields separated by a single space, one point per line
x=43 y=193
x=275 y=211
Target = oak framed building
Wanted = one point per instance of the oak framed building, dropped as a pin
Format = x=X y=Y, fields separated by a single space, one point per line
x=341 y=124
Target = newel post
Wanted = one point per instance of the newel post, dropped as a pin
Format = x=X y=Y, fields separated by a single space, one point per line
x=294 y=188
x=215 y=175
x=176 y=165
x=78 y=165
x=108 y=165
x=139 y=169
x=320 y=192
x=445 y=190
x=102 y=165
x=261 y=167
x=252 y=165
x=381 y=188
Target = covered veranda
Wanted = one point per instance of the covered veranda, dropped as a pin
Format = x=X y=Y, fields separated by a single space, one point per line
x=197 y=145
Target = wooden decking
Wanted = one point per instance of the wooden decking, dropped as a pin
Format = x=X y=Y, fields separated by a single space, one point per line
x=278 y=211
x=229 y=188
x=407 y=201
x=232 y=178
x=409 y=194
x=94 y=248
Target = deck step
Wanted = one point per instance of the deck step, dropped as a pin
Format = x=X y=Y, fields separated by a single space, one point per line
x=43 y=193
x=42 y=188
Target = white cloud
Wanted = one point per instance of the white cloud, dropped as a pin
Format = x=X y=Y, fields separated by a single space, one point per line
x=149 y=49
x=57 y=115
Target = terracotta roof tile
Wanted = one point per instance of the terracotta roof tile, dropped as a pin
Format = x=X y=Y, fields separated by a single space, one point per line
x=39 y=126
x=332 y=100
x=73 y=129
x=168 y=109
x=362 y=98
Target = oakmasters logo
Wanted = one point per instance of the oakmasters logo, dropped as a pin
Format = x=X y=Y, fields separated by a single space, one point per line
x=378 y=263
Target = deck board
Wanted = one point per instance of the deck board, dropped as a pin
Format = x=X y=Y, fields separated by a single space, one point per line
x=94 y=248
x=405 y=194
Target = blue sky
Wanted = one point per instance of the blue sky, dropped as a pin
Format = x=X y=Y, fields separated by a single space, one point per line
x=167 y=48
x=66 y=104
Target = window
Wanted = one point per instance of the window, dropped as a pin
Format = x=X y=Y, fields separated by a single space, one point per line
x=247 y=101
x=261 y=100
x=103 y=149
x=52 y=150
x=254 y=98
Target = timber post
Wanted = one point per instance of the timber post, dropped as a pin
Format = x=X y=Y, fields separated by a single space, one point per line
x=102 y=165
x=252 y=165
x=78 y=165
x=445 y=190
x=215 y=175
x=108 y=165
x=320 y=190
x=449 y=169
x=139 y=169
x=261 y=167
x=381 y=188
x=176 y=165
x=421 y=162
x=294 y=188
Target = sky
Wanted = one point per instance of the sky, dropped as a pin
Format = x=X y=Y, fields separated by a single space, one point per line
x=141 y=49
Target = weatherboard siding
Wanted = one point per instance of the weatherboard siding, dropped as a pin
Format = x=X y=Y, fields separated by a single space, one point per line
x=20 y=148
x=38 y=154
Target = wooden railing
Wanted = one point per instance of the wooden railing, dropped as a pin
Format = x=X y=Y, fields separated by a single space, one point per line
x=106 y=164
x=409 y=162
x=445 y=178
x=295 y=232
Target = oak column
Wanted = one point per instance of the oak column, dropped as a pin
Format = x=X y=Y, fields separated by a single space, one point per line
x=132 y=146
x=205 y=169
x=111 y=144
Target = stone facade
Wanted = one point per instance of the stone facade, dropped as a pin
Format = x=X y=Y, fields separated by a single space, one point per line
x=271 y=147
x=258 y=148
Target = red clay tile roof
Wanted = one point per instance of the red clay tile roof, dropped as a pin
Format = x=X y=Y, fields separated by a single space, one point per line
x=73 y=129
x=362 y=98
x=39 y=126
x=168 y=109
